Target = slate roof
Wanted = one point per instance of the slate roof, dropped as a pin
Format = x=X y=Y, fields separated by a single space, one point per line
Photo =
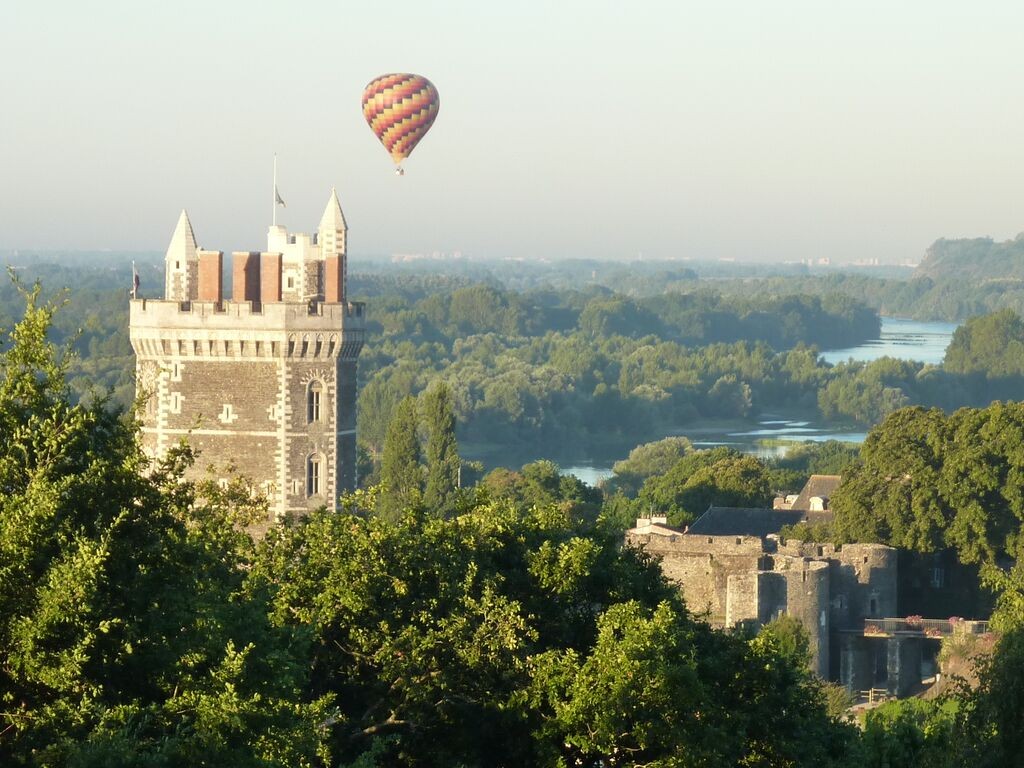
x=822 y=486
x=744 y=521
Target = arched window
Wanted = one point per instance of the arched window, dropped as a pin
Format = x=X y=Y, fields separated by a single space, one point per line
x=314 y=395
x=314 y=475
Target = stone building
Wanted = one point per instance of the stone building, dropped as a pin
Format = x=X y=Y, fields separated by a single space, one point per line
x=263 y=381
x=733 y=569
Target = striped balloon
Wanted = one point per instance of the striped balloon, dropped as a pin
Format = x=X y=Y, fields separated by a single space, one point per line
x=400 y=109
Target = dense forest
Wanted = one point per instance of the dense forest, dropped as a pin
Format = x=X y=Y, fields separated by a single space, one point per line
x=586 y=372
x=977 y=259
x=552 y=366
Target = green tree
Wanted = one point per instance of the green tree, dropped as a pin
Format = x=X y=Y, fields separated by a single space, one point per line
x=656 y=690
x=127 y=633
x=892 y=496
x=377 y=401
x=648 y=459
x=927 y=481
x=400 y=472
x=989 y=345
x=913 y=732
x=442 y=448
x=730 y=397
x=790 y=637
x=541 y=483
x=424 y=627
x=718 y=477
x=618 y=316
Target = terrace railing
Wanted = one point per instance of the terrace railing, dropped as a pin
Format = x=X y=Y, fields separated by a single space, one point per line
x=925 y=627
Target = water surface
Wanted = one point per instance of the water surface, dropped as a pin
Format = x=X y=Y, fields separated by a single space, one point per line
x=901 y=338
x=768 y=436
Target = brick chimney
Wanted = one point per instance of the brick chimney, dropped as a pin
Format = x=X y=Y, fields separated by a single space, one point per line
x=334 y=279
x=211 y=276
x=245 y=276
x=270 y=277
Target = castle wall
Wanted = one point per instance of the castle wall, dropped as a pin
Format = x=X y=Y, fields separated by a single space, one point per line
x=863 y=576
x=866 y=574
x=742 y=603
x=903 y=665
x=794 y=587
x=702 y=565
x=733 y=579
x=182 y=281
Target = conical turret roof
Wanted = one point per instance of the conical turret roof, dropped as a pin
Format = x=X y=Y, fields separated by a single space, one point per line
x=183 y=241
x=333 y=219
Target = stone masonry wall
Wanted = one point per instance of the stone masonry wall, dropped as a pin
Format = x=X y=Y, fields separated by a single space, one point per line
x=807 y=599
x=235 y=383
x=729 y=579
x=702 y=565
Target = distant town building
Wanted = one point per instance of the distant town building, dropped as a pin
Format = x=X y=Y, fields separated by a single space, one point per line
x=263 y=381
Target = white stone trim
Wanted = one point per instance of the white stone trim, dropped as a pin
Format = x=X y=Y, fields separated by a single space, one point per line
x=209 y=432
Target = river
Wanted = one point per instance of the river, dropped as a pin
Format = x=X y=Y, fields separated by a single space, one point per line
x=900 y=338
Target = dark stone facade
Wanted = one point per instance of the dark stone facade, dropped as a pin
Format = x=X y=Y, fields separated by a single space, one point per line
x=752 y=579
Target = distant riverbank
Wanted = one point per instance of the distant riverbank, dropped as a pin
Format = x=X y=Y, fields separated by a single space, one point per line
x=771 y=433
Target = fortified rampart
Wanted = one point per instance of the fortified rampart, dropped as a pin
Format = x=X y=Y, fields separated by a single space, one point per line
x=752 y=579
x=702 y=565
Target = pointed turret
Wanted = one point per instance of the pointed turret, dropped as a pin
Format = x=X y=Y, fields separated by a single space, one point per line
x=332 y=236
x=333 y=218
x=181 y=262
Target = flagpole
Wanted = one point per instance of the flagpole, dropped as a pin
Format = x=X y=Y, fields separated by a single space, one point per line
x=273 y=200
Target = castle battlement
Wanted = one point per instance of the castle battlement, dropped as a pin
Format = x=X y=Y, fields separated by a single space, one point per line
x=680 y=542
x=347 y=316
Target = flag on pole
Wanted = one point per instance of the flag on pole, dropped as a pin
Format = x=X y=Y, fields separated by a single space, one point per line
x=135 y=282
x=278 y=200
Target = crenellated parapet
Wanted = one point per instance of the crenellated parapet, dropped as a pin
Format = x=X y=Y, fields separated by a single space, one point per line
x=246 y=329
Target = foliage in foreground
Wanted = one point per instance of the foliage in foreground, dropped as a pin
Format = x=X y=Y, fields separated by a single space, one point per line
x=126 y=635
x=139 y=625
x=504 y=636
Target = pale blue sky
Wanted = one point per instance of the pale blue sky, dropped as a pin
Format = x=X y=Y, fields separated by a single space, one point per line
x=774 y=130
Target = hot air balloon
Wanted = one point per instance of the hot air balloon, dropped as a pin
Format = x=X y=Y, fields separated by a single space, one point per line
x=400 y=108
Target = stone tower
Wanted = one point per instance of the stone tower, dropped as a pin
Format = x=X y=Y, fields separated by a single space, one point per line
x=264 y=381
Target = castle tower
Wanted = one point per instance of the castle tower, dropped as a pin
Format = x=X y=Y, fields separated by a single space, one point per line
x=264 y=381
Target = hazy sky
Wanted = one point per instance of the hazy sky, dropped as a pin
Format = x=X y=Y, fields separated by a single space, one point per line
x=769 y=130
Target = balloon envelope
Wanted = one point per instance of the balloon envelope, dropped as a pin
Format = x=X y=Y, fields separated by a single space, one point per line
x=400 y=108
